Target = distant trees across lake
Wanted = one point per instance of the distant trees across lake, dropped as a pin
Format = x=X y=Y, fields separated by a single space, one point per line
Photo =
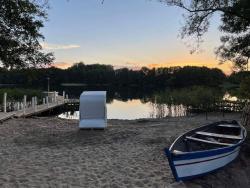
x=106 y=74
x=98 y=74
x=196 y=88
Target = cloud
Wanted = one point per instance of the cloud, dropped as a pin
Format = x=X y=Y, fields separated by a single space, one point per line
x=48 y=46
x=131 y=63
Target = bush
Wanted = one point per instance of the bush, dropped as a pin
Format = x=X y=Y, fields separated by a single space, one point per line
x=245 y=88
x=17 y=94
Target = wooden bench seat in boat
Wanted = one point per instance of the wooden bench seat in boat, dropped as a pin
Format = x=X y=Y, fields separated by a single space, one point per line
x=207 y=141
x=218 y=135
x=228 y=126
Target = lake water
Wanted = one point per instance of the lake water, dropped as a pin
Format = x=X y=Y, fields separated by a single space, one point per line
x=135 y=109
x=134 y=103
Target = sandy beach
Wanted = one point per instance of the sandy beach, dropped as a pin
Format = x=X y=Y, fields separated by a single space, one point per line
x=52 y=152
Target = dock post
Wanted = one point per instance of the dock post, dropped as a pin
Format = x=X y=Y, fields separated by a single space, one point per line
x=35 y=103
x=55 y=97
x=63 y=95
x=24 y=103
x=5 y=102
x=18 y=106
x=47 y=101
x=43 y=100
x=67 y=96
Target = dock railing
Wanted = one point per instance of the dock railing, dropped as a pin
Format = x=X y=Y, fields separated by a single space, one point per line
x=25 y=108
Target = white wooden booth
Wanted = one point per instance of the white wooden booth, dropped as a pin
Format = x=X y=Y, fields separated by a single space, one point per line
x=92 y=110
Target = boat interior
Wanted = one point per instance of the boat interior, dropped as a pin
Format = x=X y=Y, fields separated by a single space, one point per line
x=217 y=135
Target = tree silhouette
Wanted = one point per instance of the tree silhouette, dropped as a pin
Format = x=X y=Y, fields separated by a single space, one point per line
x=20 y=22
x=235 y=17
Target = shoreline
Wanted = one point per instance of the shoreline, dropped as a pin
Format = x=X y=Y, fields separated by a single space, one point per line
x=53 y=152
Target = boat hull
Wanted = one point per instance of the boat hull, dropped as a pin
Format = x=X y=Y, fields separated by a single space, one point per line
x=205 y=149
x=191 y=165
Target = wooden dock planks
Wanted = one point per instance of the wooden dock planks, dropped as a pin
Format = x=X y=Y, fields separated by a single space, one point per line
x=38 y=109
x=7 y=115
x=31 y=110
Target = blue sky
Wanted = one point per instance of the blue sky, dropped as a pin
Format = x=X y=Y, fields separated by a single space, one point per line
x=131 y=33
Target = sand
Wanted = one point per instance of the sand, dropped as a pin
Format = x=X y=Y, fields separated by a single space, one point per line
x=51 y=152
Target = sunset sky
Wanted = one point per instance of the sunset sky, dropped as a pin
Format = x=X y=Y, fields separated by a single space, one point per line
x=123 y=33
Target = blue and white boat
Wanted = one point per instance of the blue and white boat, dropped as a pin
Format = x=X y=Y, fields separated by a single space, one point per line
x=205 y=149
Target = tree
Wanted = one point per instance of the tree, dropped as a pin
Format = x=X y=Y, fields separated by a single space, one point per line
x=245 y=88
x=20 y=22
x=235 y=17
x=235 y=49
x=203 y=76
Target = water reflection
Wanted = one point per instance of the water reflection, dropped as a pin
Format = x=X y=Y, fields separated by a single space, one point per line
x=131 y=103
x=135 y=109
x=228 y=97
x=69 y=115
x=165 y=110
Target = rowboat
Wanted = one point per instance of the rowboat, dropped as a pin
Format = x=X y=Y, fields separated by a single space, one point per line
x=205 y=149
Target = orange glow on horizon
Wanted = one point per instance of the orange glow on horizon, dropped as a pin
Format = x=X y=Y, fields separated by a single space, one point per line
x=62 y=65
x=226 y=67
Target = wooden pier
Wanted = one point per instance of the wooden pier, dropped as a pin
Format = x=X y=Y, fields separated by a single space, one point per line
x=38 y=109
x=6 y=115
x=34 y=109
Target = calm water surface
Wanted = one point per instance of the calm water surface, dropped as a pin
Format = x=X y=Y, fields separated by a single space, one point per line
x=135 y=102
x=130 y=103
x=135 y=109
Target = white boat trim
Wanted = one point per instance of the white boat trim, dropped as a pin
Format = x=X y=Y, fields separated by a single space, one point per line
x=205 y=166
x=228 y=125
x=197 y=160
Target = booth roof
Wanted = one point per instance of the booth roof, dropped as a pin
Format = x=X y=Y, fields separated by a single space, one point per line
x=93 y=93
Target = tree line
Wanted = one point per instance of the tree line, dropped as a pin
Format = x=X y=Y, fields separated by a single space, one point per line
x=98 y=74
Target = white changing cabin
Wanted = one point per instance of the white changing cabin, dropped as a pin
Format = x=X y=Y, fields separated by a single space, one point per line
x=92 y=110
